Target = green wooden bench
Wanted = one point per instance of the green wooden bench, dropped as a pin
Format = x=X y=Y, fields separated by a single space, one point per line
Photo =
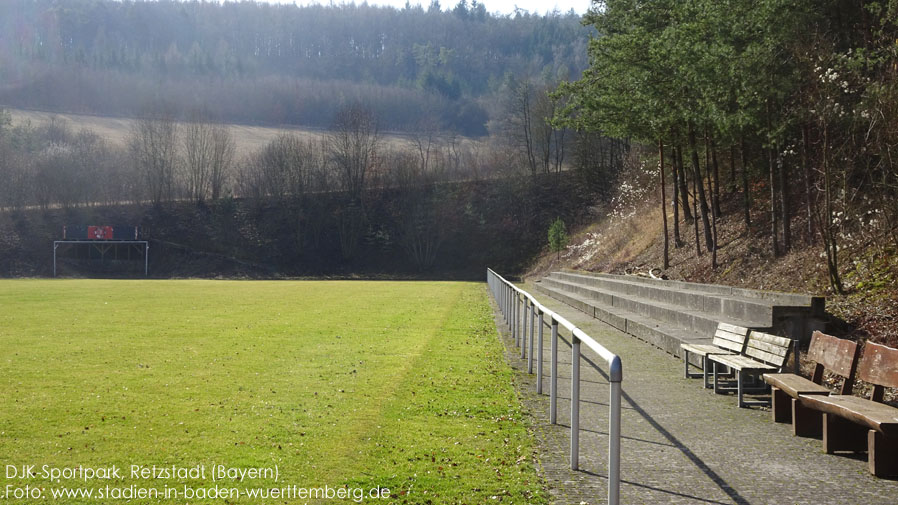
x=836 y=355
x=763 y=353
x=852 y=423
x=728 y=339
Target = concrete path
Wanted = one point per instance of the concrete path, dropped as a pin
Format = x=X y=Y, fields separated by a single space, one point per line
x=681 y=443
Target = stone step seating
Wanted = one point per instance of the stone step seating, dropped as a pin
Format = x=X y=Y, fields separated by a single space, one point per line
x=668 y=313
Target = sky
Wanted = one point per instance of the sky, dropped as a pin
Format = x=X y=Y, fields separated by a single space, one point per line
x=493 y=6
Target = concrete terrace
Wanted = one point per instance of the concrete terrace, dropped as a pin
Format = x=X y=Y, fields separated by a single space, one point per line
x=681 y=443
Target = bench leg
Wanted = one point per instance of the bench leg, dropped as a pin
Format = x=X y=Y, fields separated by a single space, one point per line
x=882 y=454
x=739 y=388
x=716 y=380
x=839 y=434
x=805 y=422
x=705 y=374
x=781 y=406
x=686 y=364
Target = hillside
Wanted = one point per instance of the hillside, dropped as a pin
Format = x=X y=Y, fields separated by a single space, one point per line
x=627 y=238
x=277 y=63
x=451 y=230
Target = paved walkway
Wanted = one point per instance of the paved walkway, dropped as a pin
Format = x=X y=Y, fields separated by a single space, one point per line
x=681 y=443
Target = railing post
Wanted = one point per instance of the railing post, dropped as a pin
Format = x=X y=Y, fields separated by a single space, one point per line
x=575 y=403
x=524 y=328
x=505 y=302
x=614 y=444
x=504 y=290
x=514 y=317
x=553 y=371
x=539 y=359
x=507 y=305
x=530 y=357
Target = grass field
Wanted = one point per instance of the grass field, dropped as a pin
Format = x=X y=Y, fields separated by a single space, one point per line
x=334 y=385
x=247 y=138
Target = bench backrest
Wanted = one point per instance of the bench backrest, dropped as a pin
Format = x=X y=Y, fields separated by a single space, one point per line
x=730 y=337
x=837 y=355
x=879 y=366
x=770 y=349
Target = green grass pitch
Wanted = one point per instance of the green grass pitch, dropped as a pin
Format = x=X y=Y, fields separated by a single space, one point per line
x=334 y=384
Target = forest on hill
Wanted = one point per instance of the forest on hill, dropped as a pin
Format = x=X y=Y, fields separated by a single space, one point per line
x=790 y=103
x=254 y=62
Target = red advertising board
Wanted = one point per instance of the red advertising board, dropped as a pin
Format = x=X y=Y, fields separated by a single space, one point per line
x=99 y=233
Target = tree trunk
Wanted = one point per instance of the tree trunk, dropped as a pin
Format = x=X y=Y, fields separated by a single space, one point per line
x=663 y=205
x=732 y=185
x=771 y=169
x=746 y=195
x=715 y=205
x=698 y=243
x=806 y=166
x=714 y=236
x=684 y=191
x=830 y=245
x=703 y=201
x=716 y=173
x=785 y=197
x=676 y=203
x=774 y=221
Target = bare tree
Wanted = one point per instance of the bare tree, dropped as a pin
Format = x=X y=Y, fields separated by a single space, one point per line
x=223 y=154
x=208 y=156
x=353 y=144
x=153 y=147
x=197 y=143
x=526 y=124
x=353 y=147
x=427 y=140
x=421 y=219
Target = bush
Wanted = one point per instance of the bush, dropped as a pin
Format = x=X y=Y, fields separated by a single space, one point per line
x=558 y=238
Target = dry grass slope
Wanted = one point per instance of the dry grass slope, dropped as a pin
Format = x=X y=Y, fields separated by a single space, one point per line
x=632 y=241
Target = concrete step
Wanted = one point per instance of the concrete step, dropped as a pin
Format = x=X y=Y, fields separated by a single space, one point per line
x=680 y=316
x=814 y=303
x=719 y=301
x=665 y=336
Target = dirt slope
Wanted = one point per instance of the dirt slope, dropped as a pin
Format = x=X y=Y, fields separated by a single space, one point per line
x=628 y=239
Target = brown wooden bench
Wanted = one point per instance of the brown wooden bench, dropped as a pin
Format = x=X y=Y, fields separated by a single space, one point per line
x=837 y=355
x=763 y=353
x=728 y=339
x=852 y=423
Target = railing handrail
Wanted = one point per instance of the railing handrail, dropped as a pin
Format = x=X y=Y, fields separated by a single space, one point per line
x=615 y=372
x=512 y=301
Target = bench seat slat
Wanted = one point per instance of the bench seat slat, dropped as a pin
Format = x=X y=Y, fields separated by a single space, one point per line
x=876 y=416
x=703 y=349
x=794 y=385
x=741 y=363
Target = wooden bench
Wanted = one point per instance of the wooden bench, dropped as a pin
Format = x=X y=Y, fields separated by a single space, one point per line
x=728 y=339
x=837 y=355
x=763 y=353
x=852 y=423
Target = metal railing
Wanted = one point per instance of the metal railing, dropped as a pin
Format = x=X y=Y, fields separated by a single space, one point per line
x=521 y=310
